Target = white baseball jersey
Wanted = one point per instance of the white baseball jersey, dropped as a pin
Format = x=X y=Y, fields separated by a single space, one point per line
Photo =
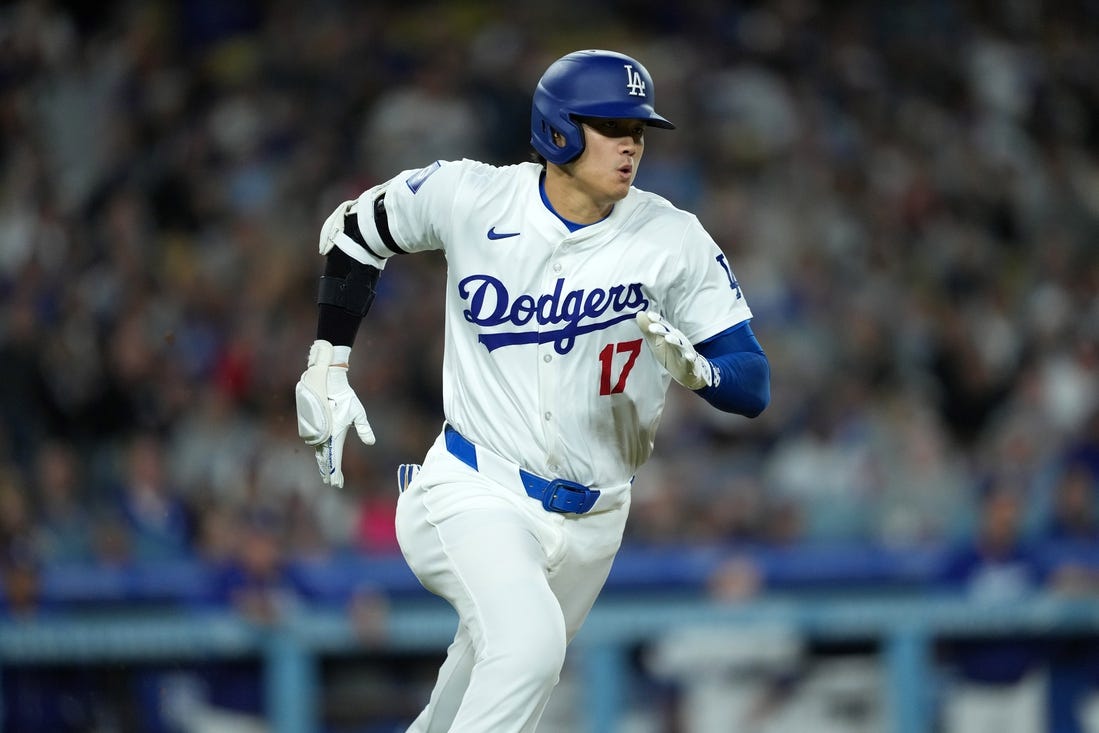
x=543 y=362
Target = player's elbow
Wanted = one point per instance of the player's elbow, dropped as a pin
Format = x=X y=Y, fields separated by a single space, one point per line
x=759 y=397
x=745 y=388
x=757 y=402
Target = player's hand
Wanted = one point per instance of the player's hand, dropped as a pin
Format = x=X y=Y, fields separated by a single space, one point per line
x=674 y=351
x=327 y=408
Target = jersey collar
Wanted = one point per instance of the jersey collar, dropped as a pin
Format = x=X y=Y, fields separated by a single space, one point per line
x=572 y=226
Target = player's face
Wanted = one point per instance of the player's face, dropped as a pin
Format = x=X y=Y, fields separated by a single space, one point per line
x=612 y=151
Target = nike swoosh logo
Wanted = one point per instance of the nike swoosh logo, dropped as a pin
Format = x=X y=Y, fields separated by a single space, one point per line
x=492 y=234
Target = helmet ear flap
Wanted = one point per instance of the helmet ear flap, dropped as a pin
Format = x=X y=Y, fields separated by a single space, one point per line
x=554 y=134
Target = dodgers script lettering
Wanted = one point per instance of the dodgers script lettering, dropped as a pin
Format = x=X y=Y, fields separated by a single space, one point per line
x=490 y=305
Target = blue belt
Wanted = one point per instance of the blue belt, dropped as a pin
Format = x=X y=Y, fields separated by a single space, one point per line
x=557 y=495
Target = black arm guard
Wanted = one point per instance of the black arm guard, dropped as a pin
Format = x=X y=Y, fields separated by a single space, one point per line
x=353 y=292
x=345 y=293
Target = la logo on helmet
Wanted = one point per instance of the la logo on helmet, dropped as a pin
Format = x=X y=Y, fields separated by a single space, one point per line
x=634 y=82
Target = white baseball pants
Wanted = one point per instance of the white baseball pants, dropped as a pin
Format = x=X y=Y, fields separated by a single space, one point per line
x=521 y=578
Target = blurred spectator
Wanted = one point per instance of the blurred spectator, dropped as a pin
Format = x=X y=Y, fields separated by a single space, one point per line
x=112 y=543
x=824 y=467
x=284 y=480
x=216 y=540
x=376 y=533
x=210 y=447
x=157 y=522
x=658 y=508
x=735 y=579
x=997 y=684
x=65 y=523
x=926 y=495
x=25 y=409
x=1083 y=449
x=427 y=117
x=973 y=383
x=1075 y=516
x=256 y=581
x=1070 y=534
x=21 y=573
x=16 y=520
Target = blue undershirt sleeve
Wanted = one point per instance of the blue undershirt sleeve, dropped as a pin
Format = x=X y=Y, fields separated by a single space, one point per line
x=745 y=384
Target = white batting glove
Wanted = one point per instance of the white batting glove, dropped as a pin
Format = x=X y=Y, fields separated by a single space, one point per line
x=674 y=351
x=327 y=408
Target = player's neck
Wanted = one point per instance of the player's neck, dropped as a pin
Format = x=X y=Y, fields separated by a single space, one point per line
x=572 y=202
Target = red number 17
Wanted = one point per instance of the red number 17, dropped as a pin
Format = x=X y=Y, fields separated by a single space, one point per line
x=606 y=358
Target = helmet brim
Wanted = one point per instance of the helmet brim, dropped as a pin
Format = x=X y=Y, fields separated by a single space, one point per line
x=657 y=121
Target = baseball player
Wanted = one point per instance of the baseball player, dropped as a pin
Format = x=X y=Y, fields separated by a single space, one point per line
x=573 y=299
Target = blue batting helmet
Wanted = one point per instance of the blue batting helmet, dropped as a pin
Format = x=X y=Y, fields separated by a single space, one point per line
x=588 y=84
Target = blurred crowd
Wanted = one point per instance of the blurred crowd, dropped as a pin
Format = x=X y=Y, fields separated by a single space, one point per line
x=908 y=193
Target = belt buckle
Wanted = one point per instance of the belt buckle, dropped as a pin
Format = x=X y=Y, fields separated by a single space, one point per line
x=565 y=497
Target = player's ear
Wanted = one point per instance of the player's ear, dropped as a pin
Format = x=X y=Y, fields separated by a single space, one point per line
x=558 y=139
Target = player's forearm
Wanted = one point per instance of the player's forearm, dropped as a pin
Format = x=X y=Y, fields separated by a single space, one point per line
x=351 y=291
x=745 y=384
x=337 y=326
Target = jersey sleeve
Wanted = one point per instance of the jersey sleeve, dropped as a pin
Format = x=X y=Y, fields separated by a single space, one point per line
x=417 y=212
x=706 y=297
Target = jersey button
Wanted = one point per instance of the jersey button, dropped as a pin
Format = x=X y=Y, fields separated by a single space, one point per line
x=557 y=267
x=548 y=415
x=547 y=358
